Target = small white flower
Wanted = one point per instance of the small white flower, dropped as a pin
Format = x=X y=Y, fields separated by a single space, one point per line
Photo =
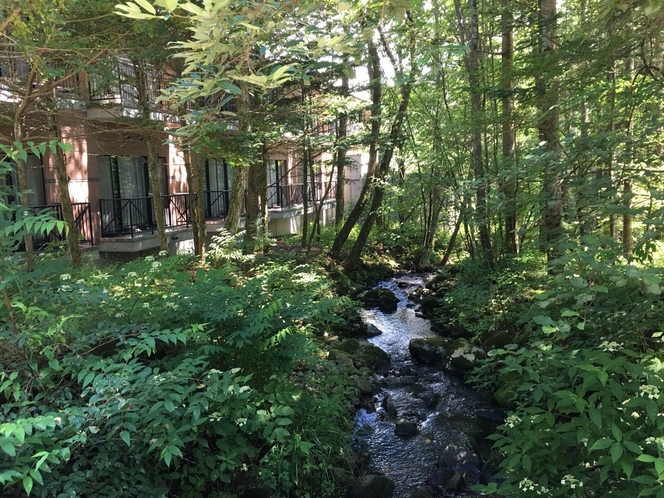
x=65 y=277
x=146 y=305
x=652 y=392
x=149 y=258
x=163 y=254
x=132 y=274
x=512 y=421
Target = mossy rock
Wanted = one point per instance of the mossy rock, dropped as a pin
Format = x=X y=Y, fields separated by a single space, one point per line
x=428 y=350
x=374 y=357
x=462 y=356
x=428 y=304
x=349 y=345
x=381 y=298
x=506 y=390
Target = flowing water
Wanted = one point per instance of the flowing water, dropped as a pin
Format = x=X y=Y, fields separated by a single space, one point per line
x=446 y=411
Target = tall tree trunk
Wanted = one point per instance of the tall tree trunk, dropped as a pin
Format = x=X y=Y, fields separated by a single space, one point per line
x=373 y=67
x=627 y=239
x=379 y=189
x=340 y=158
x=193 y=209
x=73 y=246
x=198 y=202
x=472 y=60
x=305 y=186
x=552 y=209
x=236 y=201
x=22 y=173
x=151 y=147
x=511 y=183
x=263 y=204
x=153 y=168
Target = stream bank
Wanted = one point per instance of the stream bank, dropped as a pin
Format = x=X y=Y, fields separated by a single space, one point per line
x=420 y=431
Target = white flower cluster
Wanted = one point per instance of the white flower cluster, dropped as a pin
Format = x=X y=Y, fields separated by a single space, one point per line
x=611 y=346
x=571 y=481
x=512 y=421
x=651 y=391
x=527 y=485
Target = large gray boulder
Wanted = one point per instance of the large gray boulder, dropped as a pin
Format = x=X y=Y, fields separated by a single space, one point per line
x=461 y=356
x=383 y=299
x=429 y=350
x=371 y=487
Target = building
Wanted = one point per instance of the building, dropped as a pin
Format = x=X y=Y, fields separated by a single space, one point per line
x=107 y=168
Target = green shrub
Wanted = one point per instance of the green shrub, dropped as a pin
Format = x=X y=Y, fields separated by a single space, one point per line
x=157 y=378
x=588 y=422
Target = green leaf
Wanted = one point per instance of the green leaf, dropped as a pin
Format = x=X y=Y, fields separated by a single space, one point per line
x=601 y=444
x=617 y=433
x=27 y=484
x=124 y=435
x=8 y=448
x=659 y=466
x=646 y=458
x=616 y=452
x=569 y=313
x=147 y=6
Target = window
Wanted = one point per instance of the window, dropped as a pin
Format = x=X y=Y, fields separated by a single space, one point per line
x=35 y=172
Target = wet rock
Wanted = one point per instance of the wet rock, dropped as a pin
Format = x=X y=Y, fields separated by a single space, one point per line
x=363 y=384
x=349 y=345
x=428 y=350
x=430 y=399
x=389 y=406
x=441 y=325
x=447 y=479
x=495 y=338
x=461 y=357
x=403 y=285
x=383 y=299
x=373 y=331
x=457 y=457
x=406 y=428
x=341 y=358
x=425 y=492
x=371 y=487
x=428 y=304
x=374 y=357
x=401 y=381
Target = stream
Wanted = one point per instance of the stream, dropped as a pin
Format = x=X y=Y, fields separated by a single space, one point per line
x=452 y=419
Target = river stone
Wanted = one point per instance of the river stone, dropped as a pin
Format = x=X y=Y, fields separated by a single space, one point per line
x=373 y=331
x=458 y=458
x=446 y=479
x=428 y=304
x=425 y=492
x=429 y=350
x=400 y=381
x=374 y=357
x=371 y=487
x=383 y=299
x=363 y=384
x=341 y=358
x=389 y=406
x=461 y=357
x=406 y=428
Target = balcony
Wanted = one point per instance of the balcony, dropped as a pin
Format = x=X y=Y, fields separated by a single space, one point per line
x=135 y=217
x=82 y=220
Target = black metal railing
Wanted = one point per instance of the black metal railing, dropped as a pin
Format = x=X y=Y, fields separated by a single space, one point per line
x=287 y=196
x=135 y=216
x=82 y=222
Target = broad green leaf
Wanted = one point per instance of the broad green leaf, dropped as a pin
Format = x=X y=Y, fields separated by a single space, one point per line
x=124 y=435
x=147 y=6
x=27 y=484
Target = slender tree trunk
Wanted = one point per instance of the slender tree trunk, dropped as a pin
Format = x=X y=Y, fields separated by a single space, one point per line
x=340 y=158
x=552 y=218
x=153 y=168
x=452 y=242
x=155 y=184
x=263 y=200
x=305 y=185
x=198 y=202
x=375 y=85
x=73 y=246
x=379 y=189
x=22 y=173
x=193 y=210
x=470 y=35
x=511 y=183
x=236 y=201
x=627 y=239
